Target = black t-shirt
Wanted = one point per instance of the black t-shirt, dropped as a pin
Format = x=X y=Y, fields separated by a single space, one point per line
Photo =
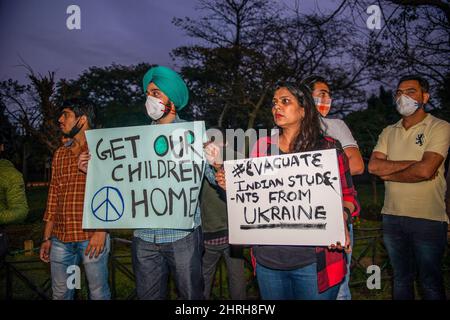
x=283 y=257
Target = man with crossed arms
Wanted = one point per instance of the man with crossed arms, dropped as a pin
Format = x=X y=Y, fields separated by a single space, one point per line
x=409 y=157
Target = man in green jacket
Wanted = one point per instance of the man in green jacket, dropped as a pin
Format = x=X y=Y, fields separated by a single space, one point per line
x=13 y=201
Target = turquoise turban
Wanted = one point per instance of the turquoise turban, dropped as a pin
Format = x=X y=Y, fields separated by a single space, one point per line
x=170 y=83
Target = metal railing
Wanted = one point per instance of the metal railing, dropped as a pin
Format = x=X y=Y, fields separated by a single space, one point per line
x=368 y=240
x=42 y=291
x=117 y=265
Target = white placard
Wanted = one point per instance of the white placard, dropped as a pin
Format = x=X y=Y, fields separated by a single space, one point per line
x=144 y=176
x=290 y=199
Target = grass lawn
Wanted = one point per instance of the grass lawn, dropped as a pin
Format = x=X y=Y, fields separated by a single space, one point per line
x=368 y=250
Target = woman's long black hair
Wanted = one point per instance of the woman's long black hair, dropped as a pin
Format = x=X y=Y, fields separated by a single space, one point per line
x=310 y=136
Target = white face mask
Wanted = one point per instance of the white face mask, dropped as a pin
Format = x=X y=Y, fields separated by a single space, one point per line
x=406 y=105
x=155 y=108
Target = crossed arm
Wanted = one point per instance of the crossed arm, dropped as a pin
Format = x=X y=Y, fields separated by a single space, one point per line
x=405 y=171
x=355 y=160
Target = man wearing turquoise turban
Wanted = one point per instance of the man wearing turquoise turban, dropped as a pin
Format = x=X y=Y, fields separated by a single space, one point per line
x=156 y=252
x=166 y=92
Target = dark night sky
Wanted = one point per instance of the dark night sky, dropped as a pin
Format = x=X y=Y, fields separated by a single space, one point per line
x=121 y=31
x=125 y=32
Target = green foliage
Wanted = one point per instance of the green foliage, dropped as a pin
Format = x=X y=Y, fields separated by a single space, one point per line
x=367 y=124
x=8 y=134
x=115 y=91
x=443 y=112
x=232 y=74
x=243 y=48
x=28 y=122
x=370 y=207
x=37 y=201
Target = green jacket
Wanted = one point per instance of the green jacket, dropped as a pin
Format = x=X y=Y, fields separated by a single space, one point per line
x=13 y=201
x=213 y=209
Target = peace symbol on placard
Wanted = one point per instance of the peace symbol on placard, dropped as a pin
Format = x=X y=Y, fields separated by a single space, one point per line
x=107 y=204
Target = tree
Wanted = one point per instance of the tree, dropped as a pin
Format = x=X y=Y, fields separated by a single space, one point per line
x=115 y=91
x=366 y=125
x=443 y=6
x=31 y=107
x=443 y=96
x=247 y=46
x=414 y=38
x=9 y=137
x=33 y=111
x=232 y=32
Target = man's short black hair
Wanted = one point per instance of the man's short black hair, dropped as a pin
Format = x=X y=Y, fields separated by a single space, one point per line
x=311 y=80
x=81 y=107
x=424 y=85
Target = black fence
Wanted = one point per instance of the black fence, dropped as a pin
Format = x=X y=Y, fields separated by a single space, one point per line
x=368 y=241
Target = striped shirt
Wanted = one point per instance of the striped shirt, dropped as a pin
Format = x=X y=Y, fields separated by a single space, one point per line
x=66 y=197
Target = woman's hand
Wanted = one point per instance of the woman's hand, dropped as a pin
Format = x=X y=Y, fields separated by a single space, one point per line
x=83 y=160
x=220 y=178
x=338 y=246
x=348 y=245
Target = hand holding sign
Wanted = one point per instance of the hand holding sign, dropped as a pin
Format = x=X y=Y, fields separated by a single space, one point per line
x=220 y=178
x=347 y=246
x=338 y=246
x=83 y=161
x=143 y=177
x=291 y=199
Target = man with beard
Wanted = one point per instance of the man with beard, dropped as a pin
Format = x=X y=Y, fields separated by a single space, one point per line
x=65 y=243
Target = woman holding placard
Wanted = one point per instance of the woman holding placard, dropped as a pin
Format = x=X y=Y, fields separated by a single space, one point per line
x=301 y=272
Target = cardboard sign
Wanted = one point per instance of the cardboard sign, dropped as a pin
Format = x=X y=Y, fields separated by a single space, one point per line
x=144 y=176
x=291 y=199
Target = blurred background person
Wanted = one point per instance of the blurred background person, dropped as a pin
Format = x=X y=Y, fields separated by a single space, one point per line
x=13 y=200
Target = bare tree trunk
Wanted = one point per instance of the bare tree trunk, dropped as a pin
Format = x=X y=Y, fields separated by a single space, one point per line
x=25 y=154
x=222 y=116
x=254 y=113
